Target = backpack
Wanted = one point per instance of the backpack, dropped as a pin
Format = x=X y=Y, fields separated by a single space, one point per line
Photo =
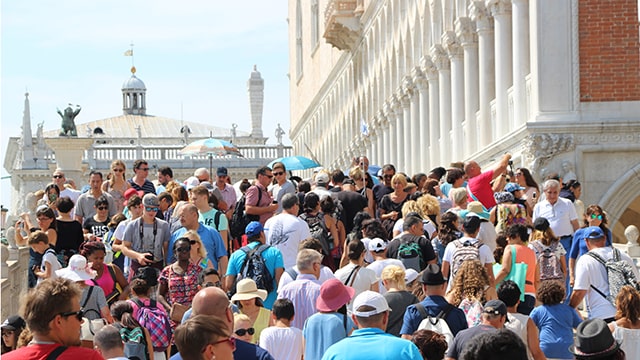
x=436 y=323
x=548 y=262
x=240 y=219
x=619 y=274
x=255 y=268
x=472 y=311
x=410 y=253
x=157 y=322
x=135 y=344
x=318 y=231
x=464 y=251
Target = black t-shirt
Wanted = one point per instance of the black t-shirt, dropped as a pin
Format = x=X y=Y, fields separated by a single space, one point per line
x=425 y=245
x=381 y=190
x=97 y=228
x=69 y=235
x=352 y=202
x=398 y=302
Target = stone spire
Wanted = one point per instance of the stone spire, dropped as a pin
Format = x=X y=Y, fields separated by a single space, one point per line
x=27 y=139
x=255 y=86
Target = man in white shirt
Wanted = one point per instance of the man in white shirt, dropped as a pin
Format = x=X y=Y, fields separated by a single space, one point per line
x=378 y=249
x=592 y=281
x=59 y=179
x=286 y=231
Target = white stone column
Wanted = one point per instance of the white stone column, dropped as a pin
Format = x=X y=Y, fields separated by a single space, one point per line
x=429 y=68
x=407 y=146
x=441 y=61
x=521 y=59
x=469 y=40
x=501 y=11
x=454 y=52
x=416 y=144
x=397 y=155
x=486 y=70
x=423 y=117
x=390 y=134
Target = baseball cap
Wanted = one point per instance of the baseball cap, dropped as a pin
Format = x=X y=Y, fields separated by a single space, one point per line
x=254 y=228
x=410 y=275
x=150 y=200
x=432 y=275
x=372 y=299
x=222 y=171
x=541 y=224
x=495 y=307
x=207 y=185
x=377 y=244
x=511 y=187
x=322 y=179
x=13 y=322
x=594 y=232
x=191 y=182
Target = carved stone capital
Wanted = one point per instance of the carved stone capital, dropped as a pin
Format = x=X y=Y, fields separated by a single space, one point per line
x=538 y=149
x=481 y=16
x=408 y=86
x=499 y=7
x=440 y=58
x=451 y=44
x=396 y=102
x=429 y=68
x=466 y=31
x=418 y=78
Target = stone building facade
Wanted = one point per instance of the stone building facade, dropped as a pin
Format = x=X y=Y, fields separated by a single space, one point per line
x=425 y=83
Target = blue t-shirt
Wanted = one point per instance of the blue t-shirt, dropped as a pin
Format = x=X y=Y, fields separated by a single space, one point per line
x=323 y=330
x=272 y=258
x=244 y=351
x=556 y=324
x=579 y=243
x=211 y=240
x=372 y=344
x=433 y=304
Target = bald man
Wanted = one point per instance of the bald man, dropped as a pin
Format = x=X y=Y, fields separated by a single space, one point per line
x=214 y=301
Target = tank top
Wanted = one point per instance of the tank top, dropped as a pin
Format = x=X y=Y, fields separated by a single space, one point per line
x=105 y=281
x=527 y=256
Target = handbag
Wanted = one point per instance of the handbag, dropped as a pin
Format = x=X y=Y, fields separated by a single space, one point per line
x=177 y=312
x=518 y=273
x=90 y=327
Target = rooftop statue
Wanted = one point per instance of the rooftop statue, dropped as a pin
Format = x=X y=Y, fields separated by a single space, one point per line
x=68 y=125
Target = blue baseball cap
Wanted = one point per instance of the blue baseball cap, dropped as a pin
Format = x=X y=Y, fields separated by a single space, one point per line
x=511 y=187
x=253 y=229
x=594 y=232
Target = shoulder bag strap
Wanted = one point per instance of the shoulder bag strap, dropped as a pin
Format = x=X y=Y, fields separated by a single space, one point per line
x=86 y=300
x=56 y=352
x=423 y=312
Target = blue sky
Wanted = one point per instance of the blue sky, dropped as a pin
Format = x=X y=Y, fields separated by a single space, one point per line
x=194 y=55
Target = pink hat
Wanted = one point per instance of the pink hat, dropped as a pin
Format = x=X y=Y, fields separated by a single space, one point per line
x=333 y=294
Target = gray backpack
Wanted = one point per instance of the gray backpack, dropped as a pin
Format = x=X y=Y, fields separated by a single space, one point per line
x=619 y=274
x=464 y=251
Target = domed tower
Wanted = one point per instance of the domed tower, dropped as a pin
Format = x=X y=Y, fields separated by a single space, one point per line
x=134 y=95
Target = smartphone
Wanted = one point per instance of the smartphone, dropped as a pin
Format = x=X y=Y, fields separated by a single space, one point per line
x=148 y=256
x=275 y=201
x=53 y=197
x=534 y=195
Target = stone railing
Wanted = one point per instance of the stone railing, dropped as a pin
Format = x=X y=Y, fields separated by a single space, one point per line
x=15 y=262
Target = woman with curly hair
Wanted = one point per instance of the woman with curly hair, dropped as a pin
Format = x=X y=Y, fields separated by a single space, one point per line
x=555 y=320
x=626 y=328
x=408 y=207
x=12 y=327
x=448 y=231
x=431 y=344
x=471 y=288
x=397 y=296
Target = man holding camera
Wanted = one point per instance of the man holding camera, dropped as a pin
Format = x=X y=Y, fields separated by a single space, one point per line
x=479 y=186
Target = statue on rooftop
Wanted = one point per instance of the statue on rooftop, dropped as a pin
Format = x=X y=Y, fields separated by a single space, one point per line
x=279 y=133
x=68 y=117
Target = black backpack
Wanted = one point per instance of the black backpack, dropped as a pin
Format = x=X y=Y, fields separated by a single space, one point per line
x=240 y=219
x=255 y=268
x=319 y=231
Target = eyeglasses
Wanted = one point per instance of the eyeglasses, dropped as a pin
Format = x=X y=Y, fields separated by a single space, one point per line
x=231 y=341
x=152 y=208
x=596 y=216
x=102 y=208
x=78 y=314
x=278 y=173
x=241 y=332
x=119 y=170
x=183 y=249
x=387 y=176
x=143 y=169
x=42 y=218
x=210 y=284
x=518 y=174
x=58 y=176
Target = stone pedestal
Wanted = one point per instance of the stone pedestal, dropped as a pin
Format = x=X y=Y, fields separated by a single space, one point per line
x=68 y=152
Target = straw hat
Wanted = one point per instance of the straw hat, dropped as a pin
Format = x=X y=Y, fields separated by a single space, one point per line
x=246 y=289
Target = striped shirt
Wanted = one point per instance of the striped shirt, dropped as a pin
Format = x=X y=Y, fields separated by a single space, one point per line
x=303 y=293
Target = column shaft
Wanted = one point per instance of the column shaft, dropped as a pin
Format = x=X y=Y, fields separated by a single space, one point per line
x=521 y=60
x=501 y=10
x=468 y=39
x=486 y=71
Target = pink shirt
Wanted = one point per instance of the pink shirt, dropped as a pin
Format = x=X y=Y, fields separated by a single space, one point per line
x=105 y=281
x=265 y=200
x=480 y=187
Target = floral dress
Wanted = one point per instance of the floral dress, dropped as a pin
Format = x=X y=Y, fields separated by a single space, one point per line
x=181 y=288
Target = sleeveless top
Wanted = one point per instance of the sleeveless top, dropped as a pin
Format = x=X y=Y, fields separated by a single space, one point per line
x=105 y=281
x=630 y=339
x=118 y=196
x=527 y=256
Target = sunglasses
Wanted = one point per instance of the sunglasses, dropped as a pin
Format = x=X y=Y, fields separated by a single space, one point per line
x=143 y=169
x=184 y=249
x=231 y=341
x=78 y=314
x=193 y=242
x=152 y=208
x=596 y=216
x=278 y=173
x=58 y=176
x=269 y=176
x=119 y=170
x=210 y=284
x=102 y=207
x=242 y=332
x=387 y=176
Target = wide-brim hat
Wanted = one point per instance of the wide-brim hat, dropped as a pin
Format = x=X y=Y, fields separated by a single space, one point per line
x=246 y=289
x=593 y=340
x=77 y=270
x=475 y=207
x=333 y=295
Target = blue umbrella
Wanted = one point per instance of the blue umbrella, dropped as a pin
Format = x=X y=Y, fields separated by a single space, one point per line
x=295 y=163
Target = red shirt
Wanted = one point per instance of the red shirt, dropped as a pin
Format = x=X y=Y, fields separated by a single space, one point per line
x=41 y=351
x=480 y=187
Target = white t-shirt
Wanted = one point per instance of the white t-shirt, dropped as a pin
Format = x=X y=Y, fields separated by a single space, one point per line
x=283 y=343
x=485 y=253
x=487 y=235
x=285 y=232
x=325 y=274
x=50 y=257
x=591 y=272
x=364 y=278
x=379 y=265
x=559 y=215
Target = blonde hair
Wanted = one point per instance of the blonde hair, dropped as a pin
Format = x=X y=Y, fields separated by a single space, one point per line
x=394 y=274
x=399 y=178
x=356 y=173
x=241 y=317
x=470 y=282
x=428 y=205
x=546 y=237
x=114 y=163
x=410 y=206
x=193 y=235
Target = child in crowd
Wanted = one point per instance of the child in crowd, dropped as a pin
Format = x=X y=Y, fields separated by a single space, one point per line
x=555 y=320
x=39 y=242
x=282 y=341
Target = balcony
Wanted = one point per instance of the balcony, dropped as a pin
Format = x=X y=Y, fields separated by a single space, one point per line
x=342 y=23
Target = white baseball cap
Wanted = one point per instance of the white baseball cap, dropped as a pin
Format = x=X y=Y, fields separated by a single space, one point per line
x=377 y=244
x=372 y=299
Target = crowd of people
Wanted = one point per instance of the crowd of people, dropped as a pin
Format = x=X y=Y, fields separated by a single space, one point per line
x=457 y=263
